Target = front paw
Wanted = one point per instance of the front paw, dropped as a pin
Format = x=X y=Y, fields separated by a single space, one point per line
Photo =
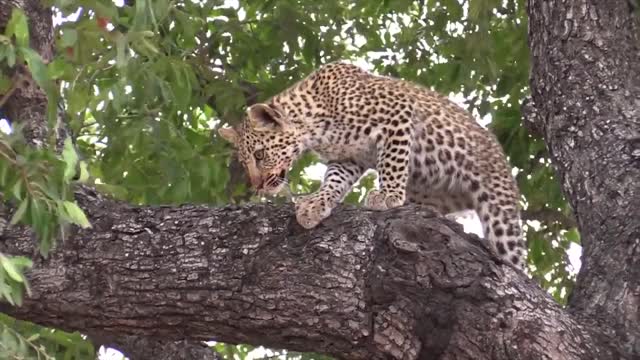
x=311 y=210
x=380 y=200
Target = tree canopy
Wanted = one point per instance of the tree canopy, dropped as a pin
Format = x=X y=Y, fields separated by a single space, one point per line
x=143 y=86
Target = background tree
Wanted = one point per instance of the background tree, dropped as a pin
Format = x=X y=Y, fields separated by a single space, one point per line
x=143 y=84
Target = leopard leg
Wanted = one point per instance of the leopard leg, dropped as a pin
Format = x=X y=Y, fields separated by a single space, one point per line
x=393 y=154
x=338 y=180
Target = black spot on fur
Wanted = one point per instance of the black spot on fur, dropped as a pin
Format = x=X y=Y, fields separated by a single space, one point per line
x=475 y=186
x=501 y=249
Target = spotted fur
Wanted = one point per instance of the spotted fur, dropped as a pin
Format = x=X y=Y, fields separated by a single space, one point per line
x=425 y=148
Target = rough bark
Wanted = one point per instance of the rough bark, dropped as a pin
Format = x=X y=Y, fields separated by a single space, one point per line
x=585 y=83
x=400 y=284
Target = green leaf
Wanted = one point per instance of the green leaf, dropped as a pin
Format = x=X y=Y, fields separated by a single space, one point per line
x=84 y=172
x=4 y=171
x=70 y=158
x=45 y=246
x=148 y=45
x=36 y=66
x=19 y=214
x=18 y=26
x=8 y=340
x=77 y=98
x=573 y=236
x=10 y=54
x=17 y=190
x=11 y=270
x=21 y=261
x=5 y=83
x=69 y=38
x=59 y=68
x=76 y=214
x=5 y=290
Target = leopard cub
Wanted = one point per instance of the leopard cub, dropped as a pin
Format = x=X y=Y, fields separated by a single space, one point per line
x=425 y=148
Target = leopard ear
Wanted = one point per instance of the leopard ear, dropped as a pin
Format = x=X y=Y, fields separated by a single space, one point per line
x=265 y=117
x=229 y=134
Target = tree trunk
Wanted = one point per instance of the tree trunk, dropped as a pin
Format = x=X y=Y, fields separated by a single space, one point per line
x=585 y=84
x=399 y=284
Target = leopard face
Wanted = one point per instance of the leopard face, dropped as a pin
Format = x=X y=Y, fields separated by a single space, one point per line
x=267 y=145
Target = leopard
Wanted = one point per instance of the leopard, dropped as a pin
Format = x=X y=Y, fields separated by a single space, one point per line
x=425 y=148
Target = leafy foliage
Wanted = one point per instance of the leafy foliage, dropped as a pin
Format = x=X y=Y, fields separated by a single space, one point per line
x=144 y=86
x=35 y=180
x=24 y=340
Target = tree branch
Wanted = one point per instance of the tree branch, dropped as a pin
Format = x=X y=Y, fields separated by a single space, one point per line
x=400 y=284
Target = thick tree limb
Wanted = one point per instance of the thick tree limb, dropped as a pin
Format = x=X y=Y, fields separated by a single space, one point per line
x=586 y=88
x=401 y=284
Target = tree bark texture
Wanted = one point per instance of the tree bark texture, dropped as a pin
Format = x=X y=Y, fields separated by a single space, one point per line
x=400 y=284
x=585 y=84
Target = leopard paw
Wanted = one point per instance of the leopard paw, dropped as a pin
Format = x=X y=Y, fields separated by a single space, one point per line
x=311 y=210
x=379 y=200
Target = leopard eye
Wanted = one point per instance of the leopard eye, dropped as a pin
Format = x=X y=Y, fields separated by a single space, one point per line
x=259 y=154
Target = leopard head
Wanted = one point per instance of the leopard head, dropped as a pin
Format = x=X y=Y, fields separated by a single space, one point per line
x=267 y=144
